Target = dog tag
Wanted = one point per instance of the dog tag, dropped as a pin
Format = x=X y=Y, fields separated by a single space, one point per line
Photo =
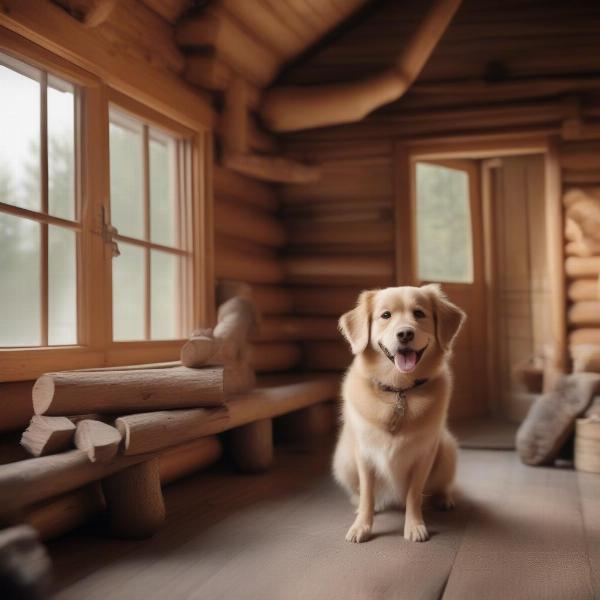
x=398 y=413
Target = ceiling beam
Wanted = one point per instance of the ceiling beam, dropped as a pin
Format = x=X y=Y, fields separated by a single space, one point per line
x=293 y=108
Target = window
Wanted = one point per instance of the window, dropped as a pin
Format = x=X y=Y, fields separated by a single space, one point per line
x=78 y=290
x=149 y=209
x=444 y=245
x=39 y=207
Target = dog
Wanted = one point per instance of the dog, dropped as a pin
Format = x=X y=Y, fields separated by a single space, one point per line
x=394 y=445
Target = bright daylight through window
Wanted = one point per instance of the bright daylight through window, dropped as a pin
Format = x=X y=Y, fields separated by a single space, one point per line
x=39 y=214
x=147 y=189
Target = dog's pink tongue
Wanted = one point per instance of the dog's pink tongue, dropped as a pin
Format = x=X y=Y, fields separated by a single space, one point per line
x=405 y=361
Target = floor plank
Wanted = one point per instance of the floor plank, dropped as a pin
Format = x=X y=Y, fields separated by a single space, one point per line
x=589 y=493
x=518 y=532
x=526 y=538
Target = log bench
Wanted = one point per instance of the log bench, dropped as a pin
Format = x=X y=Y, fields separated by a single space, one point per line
x=131 y=482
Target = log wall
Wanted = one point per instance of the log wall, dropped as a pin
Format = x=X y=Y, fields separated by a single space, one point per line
x=341 y=240
x=580 y=167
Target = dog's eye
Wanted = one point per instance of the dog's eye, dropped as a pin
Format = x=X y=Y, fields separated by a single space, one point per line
x=418 y=314
x=386 y=315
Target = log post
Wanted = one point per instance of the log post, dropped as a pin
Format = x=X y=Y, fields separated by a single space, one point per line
x=251 y=446
x=134 y=500
x=307 y=423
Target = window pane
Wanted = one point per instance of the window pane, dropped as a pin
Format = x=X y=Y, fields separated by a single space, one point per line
x=61 y=149
x=20 y=306
x=62 y=286
x=162 y=191
x=164 y=295
x=19 y=138
x=129 y=276
x=443 y=224
x=126 y=177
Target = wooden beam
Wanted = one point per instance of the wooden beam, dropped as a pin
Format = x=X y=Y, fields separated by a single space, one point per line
x=114 y=392
x=274 y=356
x=98 y=12
x=233 y=264
x=237 y=220
x=234 y=119
x=56 y=516
x=340 y=270
x=294 y=108
x=558 y=363
x=298 y=328
x=207 y=72
x=148 y=432
x=50 y=27
x=228 y=184
x=170 y=10
x=230 y=43
x=274 y=169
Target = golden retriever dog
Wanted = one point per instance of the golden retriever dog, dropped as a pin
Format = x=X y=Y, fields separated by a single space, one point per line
x=394 y=446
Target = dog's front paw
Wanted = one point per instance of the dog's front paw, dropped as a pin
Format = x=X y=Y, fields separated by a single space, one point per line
x=416 y=532
x=359 y=532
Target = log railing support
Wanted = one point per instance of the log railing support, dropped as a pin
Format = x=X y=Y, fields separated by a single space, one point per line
x=134 y=500
x=251 y=446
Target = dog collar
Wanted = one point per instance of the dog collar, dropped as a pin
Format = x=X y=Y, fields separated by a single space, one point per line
x=400 y=404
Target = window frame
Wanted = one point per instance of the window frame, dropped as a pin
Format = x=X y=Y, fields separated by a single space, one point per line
x=470 y=169
x=42 y=215
x=149 y=118
x=95 y=347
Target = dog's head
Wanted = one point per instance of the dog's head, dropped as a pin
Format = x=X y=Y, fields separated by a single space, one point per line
x=405 y=326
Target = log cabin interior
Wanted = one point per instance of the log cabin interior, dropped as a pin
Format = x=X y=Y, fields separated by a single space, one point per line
x=192 y=192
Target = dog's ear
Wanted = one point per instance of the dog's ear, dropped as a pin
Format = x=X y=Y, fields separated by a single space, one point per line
x=448 y=317
x=355 y=325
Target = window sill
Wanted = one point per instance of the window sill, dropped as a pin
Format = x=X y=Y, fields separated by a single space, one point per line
x=23 y=364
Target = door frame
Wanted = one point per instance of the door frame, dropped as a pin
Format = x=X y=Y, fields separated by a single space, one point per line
x=406 y=152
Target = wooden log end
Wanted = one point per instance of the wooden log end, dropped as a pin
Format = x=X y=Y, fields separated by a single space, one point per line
x=99 y=440
x=198 y=351
x=42 y=393
x=48 y=435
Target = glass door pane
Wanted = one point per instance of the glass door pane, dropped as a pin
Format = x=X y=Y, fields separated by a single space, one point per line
x=444 y=244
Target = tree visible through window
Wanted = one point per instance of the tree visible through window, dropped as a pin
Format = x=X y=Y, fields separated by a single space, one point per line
x=150 y=290
x=444 y=247
x=39 y=221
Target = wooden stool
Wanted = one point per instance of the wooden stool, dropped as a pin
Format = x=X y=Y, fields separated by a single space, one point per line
x=134 y=500
x=251 y=446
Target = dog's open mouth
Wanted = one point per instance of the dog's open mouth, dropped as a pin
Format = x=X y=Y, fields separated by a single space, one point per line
x=407 y=359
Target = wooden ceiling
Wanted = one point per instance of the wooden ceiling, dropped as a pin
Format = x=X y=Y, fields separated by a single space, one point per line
x=493 y=49
x=251 y=38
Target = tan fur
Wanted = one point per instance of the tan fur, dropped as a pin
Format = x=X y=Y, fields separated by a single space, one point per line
x=376 y=467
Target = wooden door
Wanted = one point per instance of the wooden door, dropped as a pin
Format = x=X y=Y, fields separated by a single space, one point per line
x=448 y=249
x=518 y=285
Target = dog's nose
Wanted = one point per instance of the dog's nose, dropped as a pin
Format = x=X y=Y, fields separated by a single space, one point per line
x=406 y=335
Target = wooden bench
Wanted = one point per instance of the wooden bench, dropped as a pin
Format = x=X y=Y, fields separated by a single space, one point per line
x=131 y=482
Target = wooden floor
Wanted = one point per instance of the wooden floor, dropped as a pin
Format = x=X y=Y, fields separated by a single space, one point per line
x=518 y=532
